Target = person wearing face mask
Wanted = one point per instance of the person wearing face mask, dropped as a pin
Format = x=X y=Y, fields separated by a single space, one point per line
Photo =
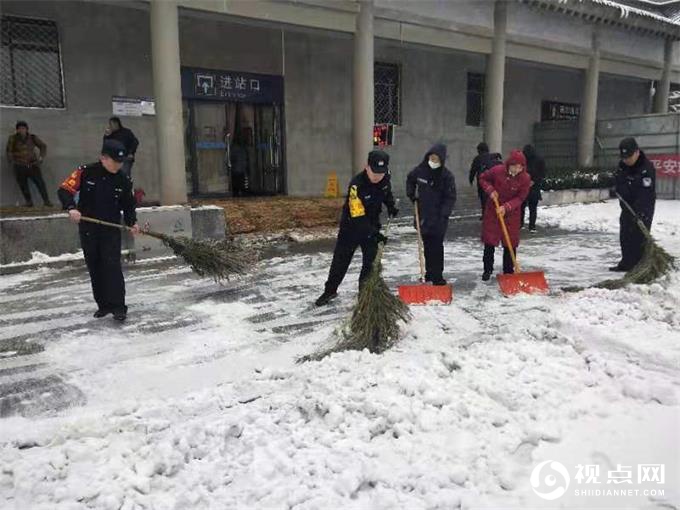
x=360 y=222
x=509 y=183
x=432 y=188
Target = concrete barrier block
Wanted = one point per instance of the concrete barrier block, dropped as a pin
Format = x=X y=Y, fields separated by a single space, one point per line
x=208 y=222
x=573 y=196
x=171 y=220
x=55 y=235
x=52 y=235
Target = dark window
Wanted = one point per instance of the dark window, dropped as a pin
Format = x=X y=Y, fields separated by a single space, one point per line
x=30 y=63
x=474 y=115
x=387 y=91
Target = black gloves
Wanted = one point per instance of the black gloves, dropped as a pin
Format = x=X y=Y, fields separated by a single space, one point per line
x=392 y=212
x=380 y=238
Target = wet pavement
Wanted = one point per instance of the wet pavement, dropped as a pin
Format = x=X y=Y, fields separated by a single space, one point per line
x=54 y=355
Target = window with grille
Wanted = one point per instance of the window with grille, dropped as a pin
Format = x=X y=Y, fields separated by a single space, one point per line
x=474 y=115
x=387 y=91
x=30 y=63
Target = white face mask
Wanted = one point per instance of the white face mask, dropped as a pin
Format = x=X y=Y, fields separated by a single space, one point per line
x=433 y=165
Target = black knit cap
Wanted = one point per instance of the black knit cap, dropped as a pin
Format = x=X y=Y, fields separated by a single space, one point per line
x=22 y=123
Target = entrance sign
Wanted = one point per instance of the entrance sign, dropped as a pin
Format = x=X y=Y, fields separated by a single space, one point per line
x=215 y=85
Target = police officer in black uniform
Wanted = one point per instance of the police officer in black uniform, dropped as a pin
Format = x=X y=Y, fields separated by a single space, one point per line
x=360 y=222
x=636 y=183
x=105 y=191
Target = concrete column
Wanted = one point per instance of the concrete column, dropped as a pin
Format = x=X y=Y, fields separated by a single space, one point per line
x=363 y=91
x=588 y=117
x=663 y=86
x=495 y=80
x=167 y=88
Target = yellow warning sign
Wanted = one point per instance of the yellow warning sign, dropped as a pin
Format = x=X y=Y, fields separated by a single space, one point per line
x=332 y=190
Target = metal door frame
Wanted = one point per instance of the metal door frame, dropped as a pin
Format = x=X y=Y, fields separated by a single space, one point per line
x=194 y=159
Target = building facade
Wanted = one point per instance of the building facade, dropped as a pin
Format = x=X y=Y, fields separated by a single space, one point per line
x=290 y=90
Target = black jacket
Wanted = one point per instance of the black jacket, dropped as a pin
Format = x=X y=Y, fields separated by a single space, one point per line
x=482 y=163
x=372 y=197
x=637 y=185
x=103 y=195
x=435 y=191
x=126 y=137
x=536 y=170
x=239 y=160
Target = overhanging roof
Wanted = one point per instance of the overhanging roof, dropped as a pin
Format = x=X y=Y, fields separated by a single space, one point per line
x=660 y=18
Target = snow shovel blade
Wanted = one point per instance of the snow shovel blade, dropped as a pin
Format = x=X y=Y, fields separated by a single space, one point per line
x=528 y=283
x=422 y=294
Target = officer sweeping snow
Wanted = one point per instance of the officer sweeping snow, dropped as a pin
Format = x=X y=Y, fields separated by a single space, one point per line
x=105 y=191
x=360 y=222
x=636 y=184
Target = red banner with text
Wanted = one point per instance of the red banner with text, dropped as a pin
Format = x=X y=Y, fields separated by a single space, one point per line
x=667 y=165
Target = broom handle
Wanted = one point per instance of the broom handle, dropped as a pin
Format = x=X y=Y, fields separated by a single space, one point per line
x=106 y=223
x=506 y=235
x=116 y=225
x=643 y=228
x=421 y=255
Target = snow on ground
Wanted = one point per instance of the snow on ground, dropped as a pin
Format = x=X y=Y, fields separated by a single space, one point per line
x=196 y=402
x=604 y=217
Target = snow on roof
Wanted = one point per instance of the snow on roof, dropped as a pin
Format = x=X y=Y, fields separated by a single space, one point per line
x=665 y=12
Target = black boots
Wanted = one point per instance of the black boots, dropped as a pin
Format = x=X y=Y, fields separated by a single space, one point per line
x=119 y=315
x=325 y=298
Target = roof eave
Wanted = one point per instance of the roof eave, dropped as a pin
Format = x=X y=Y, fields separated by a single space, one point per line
x=604 y=15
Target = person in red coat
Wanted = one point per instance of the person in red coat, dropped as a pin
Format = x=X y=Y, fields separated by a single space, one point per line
x=510 y=183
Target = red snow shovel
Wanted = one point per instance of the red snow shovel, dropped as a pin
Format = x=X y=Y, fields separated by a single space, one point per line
x=423 y=293
x=529 y=283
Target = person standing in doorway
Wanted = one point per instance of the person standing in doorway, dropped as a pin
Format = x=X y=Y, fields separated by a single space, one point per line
x=105 y=191
x=116 y=131
x=432 y=189
x=536 y=169
x=508 y=183
x=239 y=165
x=484 y=160
x=636 y=184
x=21 y=153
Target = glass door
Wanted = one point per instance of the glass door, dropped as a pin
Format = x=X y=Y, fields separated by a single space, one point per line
x=211 y=148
